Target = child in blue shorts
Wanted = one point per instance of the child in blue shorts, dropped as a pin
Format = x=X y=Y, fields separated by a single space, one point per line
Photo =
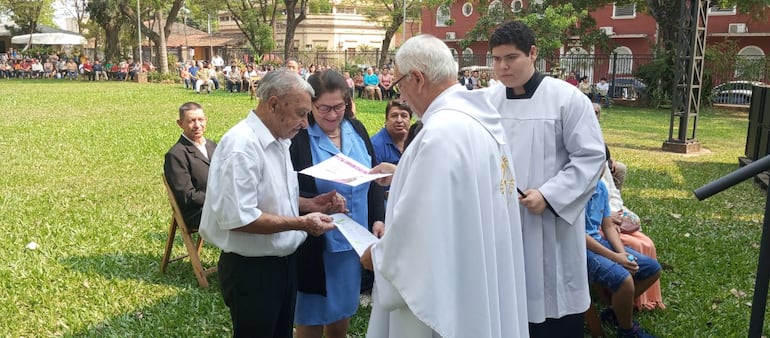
x=625 y=272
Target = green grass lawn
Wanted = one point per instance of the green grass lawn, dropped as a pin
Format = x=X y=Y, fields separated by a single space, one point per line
x=82 y=178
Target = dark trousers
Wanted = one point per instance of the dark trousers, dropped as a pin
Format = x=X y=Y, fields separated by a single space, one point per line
x=261 y=293
x=564 y=327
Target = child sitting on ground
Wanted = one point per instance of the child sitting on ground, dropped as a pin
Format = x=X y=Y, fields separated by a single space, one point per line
x=625 y=272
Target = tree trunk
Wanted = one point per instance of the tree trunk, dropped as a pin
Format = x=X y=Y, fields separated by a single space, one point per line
x=291 y=24
x=288 y=41
x=384 y=51
x=667 y=15
x=112 y=46
x=162 y=50
x=389 y=33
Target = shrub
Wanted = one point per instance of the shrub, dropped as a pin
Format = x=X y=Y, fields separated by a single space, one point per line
x=159 y=77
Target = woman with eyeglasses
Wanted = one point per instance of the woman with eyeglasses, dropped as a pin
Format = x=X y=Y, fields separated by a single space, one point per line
x=329 y=271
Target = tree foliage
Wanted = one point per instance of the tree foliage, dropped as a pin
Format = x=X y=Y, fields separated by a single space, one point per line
x=255 y=19
x=296 y=12
x=552 y=25
x=107 y=16
x=77 y=9
x=389 y=15
x=554 y=22
x=28 y=14
x=164 y=12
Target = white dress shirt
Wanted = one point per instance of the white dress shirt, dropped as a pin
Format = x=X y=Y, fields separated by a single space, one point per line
x=250 y=173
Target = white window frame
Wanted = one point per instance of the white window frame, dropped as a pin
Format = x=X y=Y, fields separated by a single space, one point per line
x=513 y=6
x=441 y=19
x=469 y=7
x=626 y=60
x=454 y=54
x=716 y=10
x=747 y=53
x=750 y=48
x=495 y=3
x=615 y=12
x=468 y=55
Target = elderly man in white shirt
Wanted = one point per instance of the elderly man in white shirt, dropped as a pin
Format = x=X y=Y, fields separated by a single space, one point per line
x=252 y=210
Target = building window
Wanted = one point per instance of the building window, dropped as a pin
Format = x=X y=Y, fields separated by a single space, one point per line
x=467 y=9
x=496 y=10
x=624 y=11
x=442 y=16
x=516 y=6
x=346 y=10
x=496 y=6
x=716 y=9
x=468 y=58
x=625 y=61
x=454 y=53
x=577 y=60
x=750 y=63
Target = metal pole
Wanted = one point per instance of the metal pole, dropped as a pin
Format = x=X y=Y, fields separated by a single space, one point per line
x=211 y=47
x=139 y=30
x=403 y=25
x=759 y=302
x=186 y=45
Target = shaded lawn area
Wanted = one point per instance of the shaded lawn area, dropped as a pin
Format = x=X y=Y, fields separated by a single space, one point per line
x=82 y=178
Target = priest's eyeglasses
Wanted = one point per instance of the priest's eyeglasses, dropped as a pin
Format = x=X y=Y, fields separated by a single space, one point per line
x=325 y=109
x=399 y=80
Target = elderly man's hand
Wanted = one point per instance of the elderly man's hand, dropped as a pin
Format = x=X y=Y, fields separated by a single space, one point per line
x=317 y=224
x=328 y=203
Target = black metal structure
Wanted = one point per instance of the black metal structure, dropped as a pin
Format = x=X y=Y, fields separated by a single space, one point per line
x=759 y=302
x=689 y=74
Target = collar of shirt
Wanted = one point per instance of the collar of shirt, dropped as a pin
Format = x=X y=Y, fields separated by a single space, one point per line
x=437 y=102
x=200 y=147
x=263 y=134
x=529 y=88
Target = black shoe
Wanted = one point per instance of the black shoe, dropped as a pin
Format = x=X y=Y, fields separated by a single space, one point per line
x=608 y=316
x=636 y=331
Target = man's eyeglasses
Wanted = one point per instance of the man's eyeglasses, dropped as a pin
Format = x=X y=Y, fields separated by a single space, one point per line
x=323 y=109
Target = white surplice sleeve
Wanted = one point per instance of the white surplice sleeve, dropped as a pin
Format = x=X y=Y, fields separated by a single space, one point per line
x=569 y=191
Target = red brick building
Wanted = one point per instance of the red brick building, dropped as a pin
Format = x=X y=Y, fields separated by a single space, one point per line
x=633 y=33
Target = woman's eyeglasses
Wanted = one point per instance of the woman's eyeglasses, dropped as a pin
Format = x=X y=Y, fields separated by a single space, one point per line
x=324 y=109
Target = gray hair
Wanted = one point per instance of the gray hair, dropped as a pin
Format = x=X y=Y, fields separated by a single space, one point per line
x=280 y=82
x=429 y=55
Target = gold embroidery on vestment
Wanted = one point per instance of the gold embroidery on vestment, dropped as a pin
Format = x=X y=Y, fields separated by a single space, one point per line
x=507 y=183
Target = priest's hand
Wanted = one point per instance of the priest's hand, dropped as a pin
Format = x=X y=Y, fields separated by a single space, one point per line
x=378 y=229
x=316 y=224
x=366 y=259
x=384 y=168
x=534 y=201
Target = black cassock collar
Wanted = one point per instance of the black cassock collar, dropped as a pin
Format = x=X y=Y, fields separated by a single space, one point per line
x=529 y=88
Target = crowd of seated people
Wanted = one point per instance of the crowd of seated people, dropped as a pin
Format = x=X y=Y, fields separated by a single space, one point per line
x=71 y=67
x=236 y=76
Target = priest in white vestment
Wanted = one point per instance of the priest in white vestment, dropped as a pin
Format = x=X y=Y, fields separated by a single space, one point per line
x=558 y=153
x=451 y=262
